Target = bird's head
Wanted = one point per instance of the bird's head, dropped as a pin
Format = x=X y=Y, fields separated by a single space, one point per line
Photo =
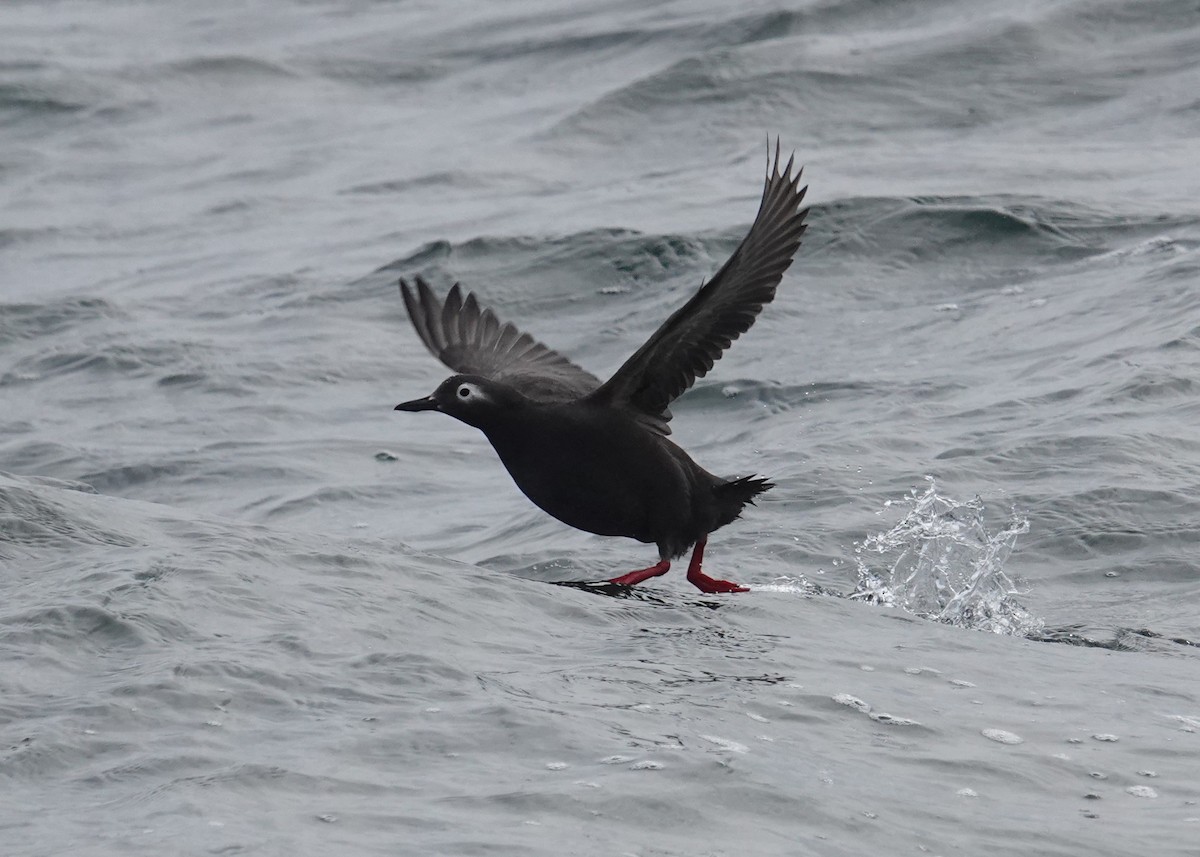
x=474 y=400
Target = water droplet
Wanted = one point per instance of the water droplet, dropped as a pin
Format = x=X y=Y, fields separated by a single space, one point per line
x=941 y=562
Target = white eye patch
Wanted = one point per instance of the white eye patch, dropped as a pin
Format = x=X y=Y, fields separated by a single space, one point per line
x=467 y=392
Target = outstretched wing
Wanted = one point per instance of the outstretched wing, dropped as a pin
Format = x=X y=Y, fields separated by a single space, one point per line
x=473 y=341
x=685 y=347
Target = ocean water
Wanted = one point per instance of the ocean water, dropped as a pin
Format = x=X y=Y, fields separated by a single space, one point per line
x=246 y=608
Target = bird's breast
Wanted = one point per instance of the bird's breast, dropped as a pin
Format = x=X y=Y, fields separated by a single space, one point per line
x=592 y=469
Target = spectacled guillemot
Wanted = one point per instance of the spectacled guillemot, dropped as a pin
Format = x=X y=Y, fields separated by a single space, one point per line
x=596 y=455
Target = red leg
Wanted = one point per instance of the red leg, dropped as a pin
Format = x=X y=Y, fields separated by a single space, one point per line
x=702 y=581
x=638 y=576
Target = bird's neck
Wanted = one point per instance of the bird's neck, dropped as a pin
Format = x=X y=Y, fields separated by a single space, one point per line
x=515 y=432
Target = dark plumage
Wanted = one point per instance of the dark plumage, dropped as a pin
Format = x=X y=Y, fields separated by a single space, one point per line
x=596 y=455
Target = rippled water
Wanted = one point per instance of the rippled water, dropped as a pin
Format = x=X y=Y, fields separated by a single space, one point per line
x=249 y=609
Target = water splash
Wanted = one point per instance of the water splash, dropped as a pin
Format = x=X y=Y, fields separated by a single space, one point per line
x=940 y=562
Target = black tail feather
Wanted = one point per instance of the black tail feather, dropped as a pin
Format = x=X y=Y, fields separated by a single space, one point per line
x=732 y=496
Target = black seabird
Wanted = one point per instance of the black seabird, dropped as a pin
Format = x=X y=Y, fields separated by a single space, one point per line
x=596 y=456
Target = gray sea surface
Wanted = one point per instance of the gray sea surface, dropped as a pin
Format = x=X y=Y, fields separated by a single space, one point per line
x=246 y=608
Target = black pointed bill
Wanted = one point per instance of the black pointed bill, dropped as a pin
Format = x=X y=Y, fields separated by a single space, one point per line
x=428 y=403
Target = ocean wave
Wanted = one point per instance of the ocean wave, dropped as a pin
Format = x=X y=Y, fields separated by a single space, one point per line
x=33 y=515
x=25 y=321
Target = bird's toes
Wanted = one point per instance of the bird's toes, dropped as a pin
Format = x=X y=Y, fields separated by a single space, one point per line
x=712 y=585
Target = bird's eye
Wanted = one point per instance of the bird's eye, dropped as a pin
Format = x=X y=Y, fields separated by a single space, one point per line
x=464 y=392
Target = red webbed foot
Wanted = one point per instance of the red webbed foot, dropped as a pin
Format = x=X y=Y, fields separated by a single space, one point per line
x=702 y=581
x=711 y=585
